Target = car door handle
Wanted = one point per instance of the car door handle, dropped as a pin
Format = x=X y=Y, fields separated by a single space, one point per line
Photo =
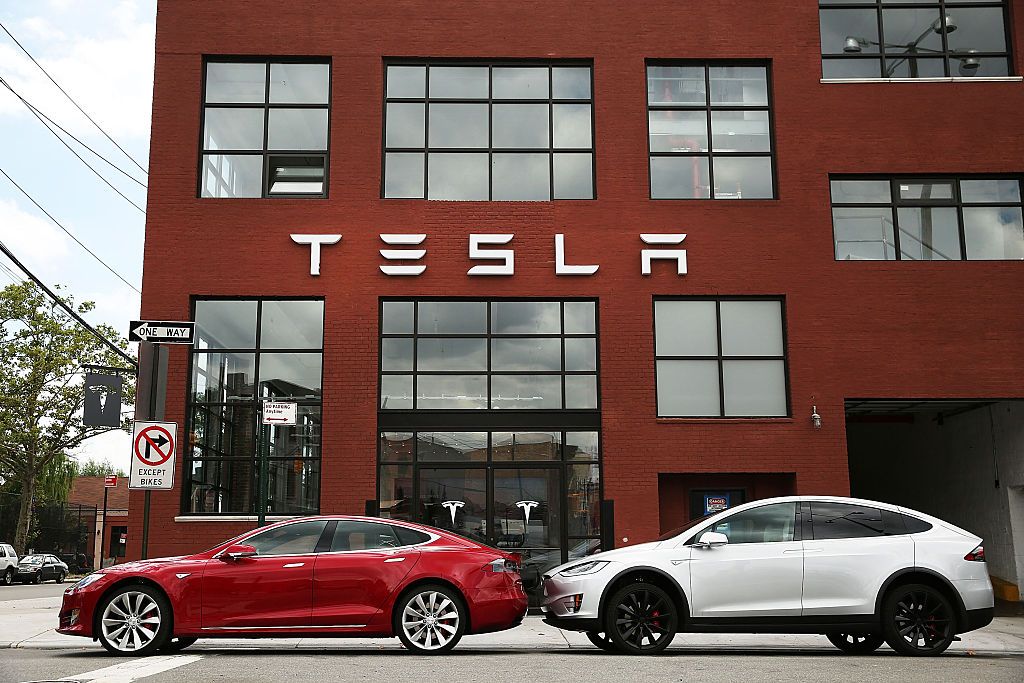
x=294 y=564
x=813 y=550
x=792 y=552
x=395 y=559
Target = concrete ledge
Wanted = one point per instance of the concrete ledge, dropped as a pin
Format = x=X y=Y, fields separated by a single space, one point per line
x=1004 y=590
x=944 y=79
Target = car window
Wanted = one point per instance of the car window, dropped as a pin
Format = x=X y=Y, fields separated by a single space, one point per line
x=32 y=559
x=299 y=538
x=356 y=535
x=407 y=536
x=766 y=524
x=845 y=520
x=915 y=525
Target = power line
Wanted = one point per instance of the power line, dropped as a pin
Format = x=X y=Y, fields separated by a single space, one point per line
x=70 y=311
x=72 y=100
x=32 y=108
x=68 y=232
x=87 y=164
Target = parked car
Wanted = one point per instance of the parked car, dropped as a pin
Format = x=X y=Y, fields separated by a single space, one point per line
x=860 y=572
x=318 y=576
x=8 y=564
x=41 y=567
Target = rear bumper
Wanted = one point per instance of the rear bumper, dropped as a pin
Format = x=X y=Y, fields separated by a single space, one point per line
x=498 y=608
x=977 y=618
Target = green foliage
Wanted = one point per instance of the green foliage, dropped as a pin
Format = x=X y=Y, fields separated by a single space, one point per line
x=98 y=468
x=42 y=350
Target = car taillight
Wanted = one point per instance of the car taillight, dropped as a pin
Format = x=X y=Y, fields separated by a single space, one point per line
x=502 y=565
x=976 y=555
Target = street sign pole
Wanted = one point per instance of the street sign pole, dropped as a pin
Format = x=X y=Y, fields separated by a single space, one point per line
x=154 y=384
x=103 y=526
x=263 y=444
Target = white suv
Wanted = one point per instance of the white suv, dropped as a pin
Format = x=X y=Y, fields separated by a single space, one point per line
x=860 y=572
x=8 y=564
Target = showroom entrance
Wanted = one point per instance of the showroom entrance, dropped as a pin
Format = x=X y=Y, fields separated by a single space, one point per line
x=489 y=424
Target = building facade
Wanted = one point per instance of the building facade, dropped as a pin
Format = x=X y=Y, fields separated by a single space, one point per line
x=562 y=276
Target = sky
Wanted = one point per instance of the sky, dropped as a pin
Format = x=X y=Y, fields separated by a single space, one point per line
x=101 y=53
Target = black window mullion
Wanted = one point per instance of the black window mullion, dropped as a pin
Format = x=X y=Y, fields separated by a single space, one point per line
x=551 y=131
x=711 y=156
x=721 y=364
x=490 y=140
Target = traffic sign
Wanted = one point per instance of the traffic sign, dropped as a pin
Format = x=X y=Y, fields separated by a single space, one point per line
x=162 y=331
x=153 y=447
x=279 y=413
x=110 y=481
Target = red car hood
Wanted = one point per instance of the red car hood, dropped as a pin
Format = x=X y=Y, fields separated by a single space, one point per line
x=138 y=565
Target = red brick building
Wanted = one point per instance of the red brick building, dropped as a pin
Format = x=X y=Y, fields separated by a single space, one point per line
x=114 y=527
x=805 y=221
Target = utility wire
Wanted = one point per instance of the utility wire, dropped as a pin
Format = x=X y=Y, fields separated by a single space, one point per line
x=70 y=311
x=64 y=130
x=72 y=100
x=68 y=232
x=89 y=166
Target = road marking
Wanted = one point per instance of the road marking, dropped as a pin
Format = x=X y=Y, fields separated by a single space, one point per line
x=129 y=671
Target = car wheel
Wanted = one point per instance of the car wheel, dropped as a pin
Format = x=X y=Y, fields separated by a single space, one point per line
x=8 y=577
x=178 y=644
x=430 y=619
x=641 y=619
x=918 y=620
x=60 y=578
x=38 y=578
x=601 y=640
x=134 y=620
x=856 y=643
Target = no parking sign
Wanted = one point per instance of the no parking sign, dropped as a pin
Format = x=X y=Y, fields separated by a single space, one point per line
x=153 y=448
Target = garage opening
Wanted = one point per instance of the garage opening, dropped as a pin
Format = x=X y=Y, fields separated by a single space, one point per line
x=686 y=496
x=960 y=460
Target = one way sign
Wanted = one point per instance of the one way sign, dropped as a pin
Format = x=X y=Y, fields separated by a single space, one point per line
x=162 y=331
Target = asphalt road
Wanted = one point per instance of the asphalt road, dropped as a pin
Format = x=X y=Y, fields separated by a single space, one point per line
x=493 y=666
x=21 y=591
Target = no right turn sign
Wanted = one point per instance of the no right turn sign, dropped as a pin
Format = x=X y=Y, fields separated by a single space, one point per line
x=153 y=448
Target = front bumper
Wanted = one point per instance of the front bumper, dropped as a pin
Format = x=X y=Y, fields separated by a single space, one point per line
x=560 y=596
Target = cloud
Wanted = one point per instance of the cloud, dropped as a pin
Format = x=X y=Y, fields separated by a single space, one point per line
x=33 y=239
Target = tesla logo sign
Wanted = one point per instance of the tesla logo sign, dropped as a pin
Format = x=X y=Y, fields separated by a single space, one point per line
x=452 y=506
x=405 y=254
x=526 y=506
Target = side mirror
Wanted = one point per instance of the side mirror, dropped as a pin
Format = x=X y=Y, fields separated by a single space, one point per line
x=238 y=551
x=712 y=539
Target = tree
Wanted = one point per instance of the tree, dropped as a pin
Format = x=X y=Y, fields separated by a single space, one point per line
x=42 y=350
x=97 y=468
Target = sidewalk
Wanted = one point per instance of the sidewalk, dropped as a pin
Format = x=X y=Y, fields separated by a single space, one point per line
x=29 y=624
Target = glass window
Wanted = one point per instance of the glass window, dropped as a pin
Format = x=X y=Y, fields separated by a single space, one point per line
x=508 y=113
x=407 y=536
x=227 y=387
x=489 y=355
x=927 y=220
x=353 y=535
x=298 y=538
x=275 y=106
x=451 y=446
x=842 y=520
x=699 y=142
x=507 y=446
x=931 y=39
x=773 y=523
x=720 y=358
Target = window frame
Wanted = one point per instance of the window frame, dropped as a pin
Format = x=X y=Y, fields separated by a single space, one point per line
x=720 y=358
x=711 y=521
x=882 y=517
x=896 y=202
x=252 y=459
x=265 y=153
x=708 y=108
x=490 y=150
x=940 y=6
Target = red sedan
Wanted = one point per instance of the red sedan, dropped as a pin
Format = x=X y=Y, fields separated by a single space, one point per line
x=318 y=576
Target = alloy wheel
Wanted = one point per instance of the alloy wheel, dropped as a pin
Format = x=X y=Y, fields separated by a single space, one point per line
x=856 y=643
x=430 y=620
x=642 y=620
x=131 y=621
x=8 y=577
x=922 y=620
x=601 y=640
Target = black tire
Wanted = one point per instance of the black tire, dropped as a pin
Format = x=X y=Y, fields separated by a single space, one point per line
x=918 y=620
x=178 y=643
x=640 y=612
x=426 y=616
x=38 y=578
x=856 y=643
x=601 y=640
x=60 y=578
x=8 y=576
x=134 y=621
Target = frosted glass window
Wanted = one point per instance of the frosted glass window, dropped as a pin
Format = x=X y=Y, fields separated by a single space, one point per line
x=300 y=83
x=685 y=328
x=752 y=328
x=688 y=388
x=754 y=388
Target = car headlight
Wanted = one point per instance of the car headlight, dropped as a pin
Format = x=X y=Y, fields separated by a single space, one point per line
x=591 y=567
x=88 y=580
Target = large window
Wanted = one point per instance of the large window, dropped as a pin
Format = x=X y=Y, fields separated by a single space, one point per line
x=709 y=126
x=265 y=129
x=927 y=219
x=512 y=132
x=913 y=38
x=720 y=357
x=246 y=352
x=488 y=355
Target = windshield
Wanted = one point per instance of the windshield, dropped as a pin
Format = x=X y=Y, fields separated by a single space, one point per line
x=689 y=525
x=32 y=559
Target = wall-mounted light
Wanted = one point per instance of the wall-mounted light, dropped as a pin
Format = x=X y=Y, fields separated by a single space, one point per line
x=815 y=418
